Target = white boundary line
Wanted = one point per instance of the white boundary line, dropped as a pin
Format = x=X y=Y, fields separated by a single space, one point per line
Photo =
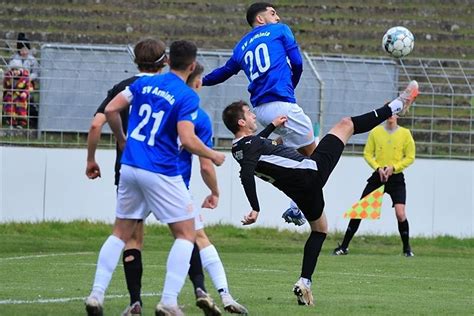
x=66 y=299
x=47 y=255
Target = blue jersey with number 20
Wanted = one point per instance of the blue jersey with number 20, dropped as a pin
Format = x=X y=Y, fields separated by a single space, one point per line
x=159 y=103
x=262 y=55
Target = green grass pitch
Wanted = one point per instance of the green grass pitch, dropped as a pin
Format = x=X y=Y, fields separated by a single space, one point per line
x=48 y=269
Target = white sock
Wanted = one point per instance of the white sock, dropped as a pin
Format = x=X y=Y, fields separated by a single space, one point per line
x=177 y=268
x=213 y=265
x=306 y=282
x=396 y=106
x=109 y=256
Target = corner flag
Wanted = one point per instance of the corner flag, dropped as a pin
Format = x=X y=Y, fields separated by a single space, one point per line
x=369 y=207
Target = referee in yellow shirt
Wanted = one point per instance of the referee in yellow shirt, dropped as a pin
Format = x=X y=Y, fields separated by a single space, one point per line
x=390 y=149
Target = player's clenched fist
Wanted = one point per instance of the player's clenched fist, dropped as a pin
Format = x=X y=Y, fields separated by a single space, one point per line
x=218 y=158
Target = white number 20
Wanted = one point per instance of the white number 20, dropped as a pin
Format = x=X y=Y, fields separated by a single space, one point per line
x=260 y=51
x=146 y=112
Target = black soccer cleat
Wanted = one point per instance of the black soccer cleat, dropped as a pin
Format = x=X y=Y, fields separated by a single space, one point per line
x=340 y=251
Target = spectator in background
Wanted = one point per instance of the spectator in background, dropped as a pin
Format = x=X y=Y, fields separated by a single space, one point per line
x=25 y=57
x=27 y=61
x=16 y=93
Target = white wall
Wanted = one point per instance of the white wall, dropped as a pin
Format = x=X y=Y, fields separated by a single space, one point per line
x=50 y=184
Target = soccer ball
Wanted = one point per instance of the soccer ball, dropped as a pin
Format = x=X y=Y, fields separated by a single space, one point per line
x=398 y=41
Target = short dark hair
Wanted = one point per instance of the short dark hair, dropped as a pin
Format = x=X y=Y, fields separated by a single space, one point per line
x=150 y=55
x=197 y=72
x=22 y=41
x=182 y=54
x=255 y=9
x=232 y=114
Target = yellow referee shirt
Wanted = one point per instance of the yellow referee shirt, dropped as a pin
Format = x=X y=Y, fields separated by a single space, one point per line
x=390 y=148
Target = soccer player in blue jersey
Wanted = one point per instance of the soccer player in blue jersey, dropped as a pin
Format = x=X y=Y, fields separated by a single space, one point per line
x=207 y=254
x=162 y=110
x=272 y=62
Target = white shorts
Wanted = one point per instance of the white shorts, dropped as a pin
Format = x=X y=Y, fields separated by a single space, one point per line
x=141 y=191
x=298 y=130
x=198 y=221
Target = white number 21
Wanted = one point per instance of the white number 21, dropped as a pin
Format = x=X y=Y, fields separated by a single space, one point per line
x=260 y=51
x=146 y=112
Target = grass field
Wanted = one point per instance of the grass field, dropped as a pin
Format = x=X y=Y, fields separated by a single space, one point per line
x=47 y=269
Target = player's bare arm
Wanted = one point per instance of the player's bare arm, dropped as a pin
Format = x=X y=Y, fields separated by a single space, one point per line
x=92 y=167
x=194 y=145
x=112 y=113
x=208 y=174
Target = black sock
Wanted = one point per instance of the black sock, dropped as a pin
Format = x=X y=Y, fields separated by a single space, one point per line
x=365 y=122
x=350 y=232
x=312 y=248
x=133 y=273
x=404 y=234
x=196 y=275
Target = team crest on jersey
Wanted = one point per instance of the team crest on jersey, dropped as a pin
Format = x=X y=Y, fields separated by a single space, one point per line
x=239 y=155
x=274 y=142
x=194 y=115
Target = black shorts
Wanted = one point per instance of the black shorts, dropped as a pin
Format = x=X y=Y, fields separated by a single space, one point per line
x=395 y=187
x=310 y=200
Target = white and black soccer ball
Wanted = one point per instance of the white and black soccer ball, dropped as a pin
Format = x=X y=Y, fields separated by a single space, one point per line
x=398 y=41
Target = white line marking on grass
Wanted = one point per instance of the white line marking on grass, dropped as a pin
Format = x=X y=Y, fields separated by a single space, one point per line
x=66 y=299
x=47 y=255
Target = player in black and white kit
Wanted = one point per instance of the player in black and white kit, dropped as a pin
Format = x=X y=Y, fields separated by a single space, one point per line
x=300 y=177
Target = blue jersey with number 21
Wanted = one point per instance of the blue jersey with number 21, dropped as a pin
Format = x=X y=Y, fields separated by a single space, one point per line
x=158 y=104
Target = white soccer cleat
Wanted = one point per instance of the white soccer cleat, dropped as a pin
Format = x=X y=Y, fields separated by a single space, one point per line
x=167 y=310
x=408 y=96
x=94 y=306
x=303 y=293
x=231 y=305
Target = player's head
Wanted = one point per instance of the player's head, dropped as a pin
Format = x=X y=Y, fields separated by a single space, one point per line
x=183 y=56
x=150 y=55
x=238 y=117
x=261 y=13
x=195 y=78
x=392 y=120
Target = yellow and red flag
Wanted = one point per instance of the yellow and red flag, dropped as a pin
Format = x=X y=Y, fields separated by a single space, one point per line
x=369 y=207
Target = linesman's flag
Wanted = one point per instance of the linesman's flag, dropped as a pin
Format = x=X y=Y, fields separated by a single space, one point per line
x=369 y=207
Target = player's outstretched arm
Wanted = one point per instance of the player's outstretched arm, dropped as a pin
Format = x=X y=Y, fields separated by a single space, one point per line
x=194 y=145
x=92 y=168
x=221 y=74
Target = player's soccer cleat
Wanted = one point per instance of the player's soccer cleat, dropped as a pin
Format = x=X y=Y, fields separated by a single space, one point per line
x=408 y=96
x=133 y=310
x=166 y=310
x=303 y=293
x=231 y=306
x=408 y=253
x=205 y=302
x=339 y=251
x=294 y=215
x=94 y=306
